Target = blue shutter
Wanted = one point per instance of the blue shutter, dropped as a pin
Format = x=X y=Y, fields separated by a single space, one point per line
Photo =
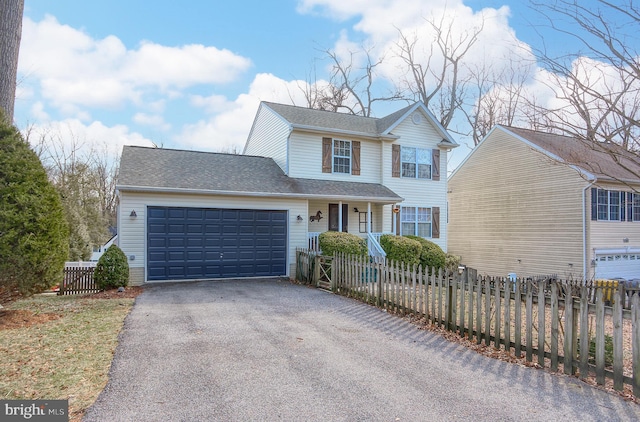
x=623 y=207
x=594 y=204
x=630 y=206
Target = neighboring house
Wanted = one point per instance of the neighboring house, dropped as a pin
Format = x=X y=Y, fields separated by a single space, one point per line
x=535 y=203
x=97 y=252
x=194 y=215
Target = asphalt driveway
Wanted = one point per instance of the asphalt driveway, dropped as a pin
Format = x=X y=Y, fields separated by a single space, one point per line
x=268 y=350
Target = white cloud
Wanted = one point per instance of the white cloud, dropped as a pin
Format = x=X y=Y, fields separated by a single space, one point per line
x=73 y=133
x=152 y=120
x=73 y=68
x=228 y=129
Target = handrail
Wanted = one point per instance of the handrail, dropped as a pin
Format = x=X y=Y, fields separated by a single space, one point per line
x=375 y=249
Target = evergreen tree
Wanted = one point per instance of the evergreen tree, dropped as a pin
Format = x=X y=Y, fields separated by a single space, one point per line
x=34 y=236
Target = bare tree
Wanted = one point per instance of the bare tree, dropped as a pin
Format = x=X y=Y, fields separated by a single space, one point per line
x=85 y=178
x=435 y=73
x=351 y=87
x=599 y=85
x=499 y=97
x=11 y=12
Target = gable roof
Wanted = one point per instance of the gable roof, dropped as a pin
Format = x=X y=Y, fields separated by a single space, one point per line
x=600 y=160
x=321 y=120
x=169 y=170
x=596 y=161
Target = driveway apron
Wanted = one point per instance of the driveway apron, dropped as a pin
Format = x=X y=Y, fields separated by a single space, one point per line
x=263 y=350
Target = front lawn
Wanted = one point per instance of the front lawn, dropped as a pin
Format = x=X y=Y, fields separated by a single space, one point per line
x=60 y=347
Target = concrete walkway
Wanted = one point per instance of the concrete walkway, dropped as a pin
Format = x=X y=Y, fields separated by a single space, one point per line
x=265 y=350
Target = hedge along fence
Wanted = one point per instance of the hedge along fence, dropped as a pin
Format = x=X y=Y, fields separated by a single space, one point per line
x=562 y=324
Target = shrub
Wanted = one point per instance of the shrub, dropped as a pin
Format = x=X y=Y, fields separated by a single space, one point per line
x=340 y=242
x=402 y=249
x=431 y=255
x=452 y=262
x=34 y=236
x=112 y=270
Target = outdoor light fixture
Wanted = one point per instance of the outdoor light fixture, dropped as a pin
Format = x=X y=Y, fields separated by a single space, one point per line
x=355 y=209
x=299 y=218
x=133 y=214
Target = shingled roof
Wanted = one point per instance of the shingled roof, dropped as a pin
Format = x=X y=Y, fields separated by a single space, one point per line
x=160 y=169
x=308 y=118
x=605 y=161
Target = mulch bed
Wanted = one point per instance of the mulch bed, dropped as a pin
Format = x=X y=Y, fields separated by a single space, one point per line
x=22 y=318
x=129 y=292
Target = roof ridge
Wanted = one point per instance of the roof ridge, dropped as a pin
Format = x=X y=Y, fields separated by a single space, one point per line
x=194 y=151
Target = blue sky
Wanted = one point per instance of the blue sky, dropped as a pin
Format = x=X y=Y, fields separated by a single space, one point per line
x=191 y=74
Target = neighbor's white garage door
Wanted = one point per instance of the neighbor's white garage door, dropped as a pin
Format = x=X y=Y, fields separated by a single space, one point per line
x=625 y=265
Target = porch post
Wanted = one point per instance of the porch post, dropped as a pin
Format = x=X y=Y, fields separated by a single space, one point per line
x=368 y=217
x=340 y=216
x=394 y=229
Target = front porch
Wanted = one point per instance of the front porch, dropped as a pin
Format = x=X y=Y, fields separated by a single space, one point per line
x=373 y=243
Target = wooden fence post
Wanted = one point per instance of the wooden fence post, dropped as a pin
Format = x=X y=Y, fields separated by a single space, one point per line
x=635 y=340
x=584 y=332
x=619 y=297
x=569 y=335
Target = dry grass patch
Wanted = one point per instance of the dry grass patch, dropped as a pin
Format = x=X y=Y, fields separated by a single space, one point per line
x=59 y=347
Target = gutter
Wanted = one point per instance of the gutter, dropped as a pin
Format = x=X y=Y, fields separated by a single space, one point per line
x=148 y=189
x=584 y=229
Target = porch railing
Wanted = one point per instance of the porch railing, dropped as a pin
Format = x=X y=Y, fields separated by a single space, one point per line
x=373 y=243
x=314 y=244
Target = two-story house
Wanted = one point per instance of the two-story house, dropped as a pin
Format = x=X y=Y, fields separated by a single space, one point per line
x=534 y=203
x=196 y=215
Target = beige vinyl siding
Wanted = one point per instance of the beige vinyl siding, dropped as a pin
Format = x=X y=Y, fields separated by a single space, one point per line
x=513 y=209
x=611 y=234
x=132 y=238
x=418 y=192
x=268 y=137
x=306 y=158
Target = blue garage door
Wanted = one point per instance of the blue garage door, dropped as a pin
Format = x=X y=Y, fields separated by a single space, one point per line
x=195 y=243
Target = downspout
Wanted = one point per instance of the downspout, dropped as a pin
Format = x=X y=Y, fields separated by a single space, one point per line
x=584 y=231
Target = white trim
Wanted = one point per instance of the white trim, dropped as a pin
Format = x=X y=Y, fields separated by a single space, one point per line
x=589 y=176
x=432 y=119
x=315 y=129
x=151 y=189
x=614 y=251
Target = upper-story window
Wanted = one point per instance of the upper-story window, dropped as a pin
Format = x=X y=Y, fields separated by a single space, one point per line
x=341 y=156
x=416 y=163
x=614 y=205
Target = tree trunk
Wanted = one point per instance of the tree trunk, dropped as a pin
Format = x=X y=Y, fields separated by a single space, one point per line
x=10 y=33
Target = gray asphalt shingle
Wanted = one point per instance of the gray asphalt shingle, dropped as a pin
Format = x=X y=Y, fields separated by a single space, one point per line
x=169 y=169
x=603 y=160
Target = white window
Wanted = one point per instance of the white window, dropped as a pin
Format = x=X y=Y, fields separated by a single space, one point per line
x=416 y=221
x=341 y=156
x=415 y=163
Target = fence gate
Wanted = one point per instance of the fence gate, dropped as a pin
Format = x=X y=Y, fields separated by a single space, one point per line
x=323 y=271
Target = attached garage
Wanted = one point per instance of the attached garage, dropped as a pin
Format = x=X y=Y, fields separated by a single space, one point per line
x=195 y=243
x=614 y=264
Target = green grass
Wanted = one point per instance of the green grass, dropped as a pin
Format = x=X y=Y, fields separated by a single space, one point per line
x=67 y=358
